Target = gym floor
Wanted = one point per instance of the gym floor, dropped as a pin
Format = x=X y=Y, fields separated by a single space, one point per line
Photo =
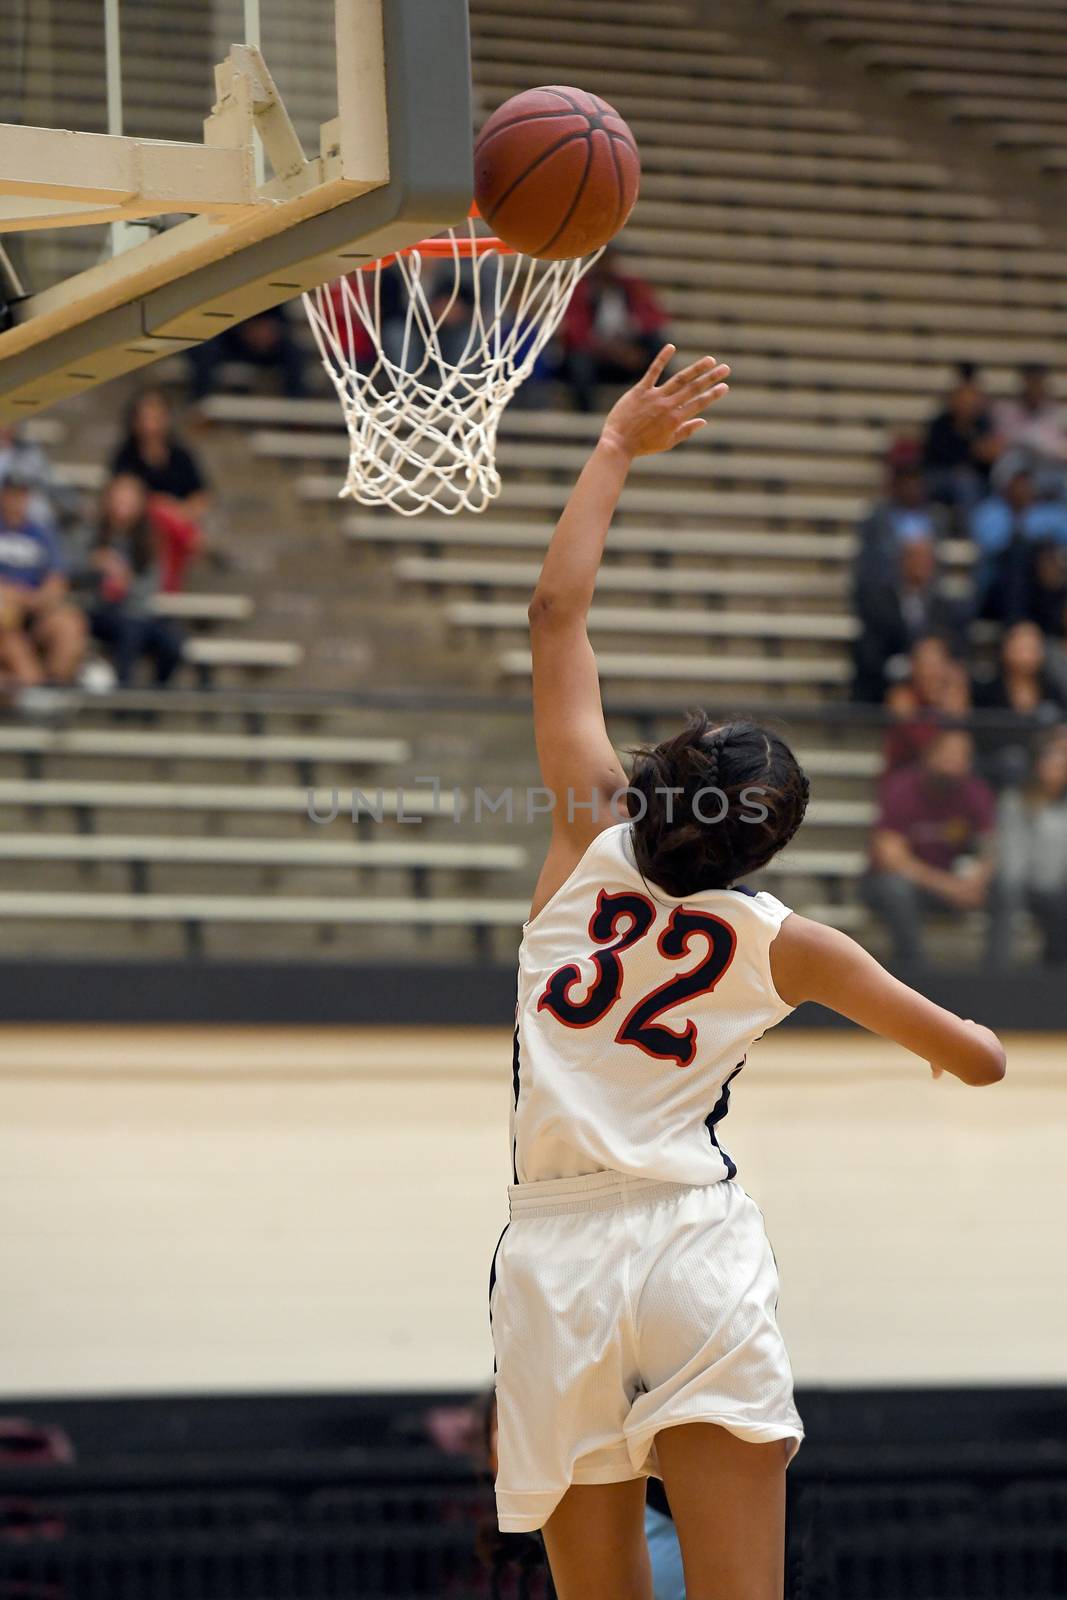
x=213 y=1210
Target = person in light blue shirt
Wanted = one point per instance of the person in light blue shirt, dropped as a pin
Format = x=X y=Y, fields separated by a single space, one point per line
x=42 y=636
x=1008 y=528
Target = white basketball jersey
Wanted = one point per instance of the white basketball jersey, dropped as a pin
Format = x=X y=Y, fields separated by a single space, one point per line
x=635 y=1013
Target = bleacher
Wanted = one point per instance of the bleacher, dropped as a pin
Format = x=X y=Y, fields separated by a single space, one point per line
x=995 y=64
x=841 y=274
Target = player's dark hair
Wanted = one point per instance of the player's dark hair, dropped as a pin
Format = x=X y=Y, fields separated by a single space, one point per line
x=755 y=772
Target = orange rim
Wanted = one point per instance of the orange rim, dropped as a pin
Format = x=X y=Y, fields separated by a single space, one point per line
x=438 y=249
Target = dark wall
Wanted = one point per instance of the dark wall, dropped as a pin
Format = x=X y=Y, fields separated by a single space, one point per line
x=334 y=994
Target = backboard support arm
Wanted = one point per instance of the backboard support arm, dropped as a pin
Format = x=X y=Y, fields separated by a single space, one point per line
x=394 y=166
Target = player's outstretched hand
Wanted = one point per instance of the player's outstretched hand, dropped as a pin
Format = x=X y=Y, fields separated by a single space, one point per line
x=654 y=416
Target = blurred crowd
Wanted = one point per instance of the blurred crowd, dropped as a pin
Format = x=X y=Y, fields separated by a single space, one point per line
x=67 y=581
x=960 y=592
x=959 y=589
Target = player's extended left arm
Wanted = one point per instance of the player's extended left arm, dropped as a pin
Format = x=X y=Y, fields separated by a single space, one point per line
x=573 y=747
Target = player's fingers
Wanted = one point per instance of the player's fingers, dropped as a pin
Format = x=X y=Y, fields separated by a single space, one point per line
x=697 y=372
x=687 y=429
x=694 y=404
x=658 y=366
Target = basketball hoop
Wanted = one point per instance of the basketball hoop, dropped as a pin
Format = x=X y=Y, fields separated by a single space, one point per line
x=425 y=361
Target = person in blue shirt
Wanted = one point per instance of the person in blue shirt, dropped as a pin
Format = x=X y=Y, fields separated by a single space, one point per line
x=1009 y=528
x=42 y=636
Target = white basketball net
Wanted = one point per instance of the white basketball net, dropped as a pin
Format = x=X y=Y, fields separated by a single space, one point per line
x=423 y=388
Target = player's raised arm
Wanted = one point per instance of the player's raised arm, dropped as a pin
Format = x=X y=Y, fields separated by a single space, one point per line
x=578 y=762
x=812 y=962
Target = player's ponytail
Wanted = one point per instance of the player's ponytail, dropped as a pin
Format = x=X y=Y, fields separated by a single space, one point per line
x=714 y=804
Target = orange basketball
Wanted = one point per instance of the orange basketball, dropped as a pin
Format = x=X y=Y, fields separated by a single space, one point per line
x=556 y=172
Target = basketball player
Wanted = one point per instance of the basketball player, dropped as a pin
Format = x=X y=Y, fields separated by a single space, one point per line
x=633 y=1294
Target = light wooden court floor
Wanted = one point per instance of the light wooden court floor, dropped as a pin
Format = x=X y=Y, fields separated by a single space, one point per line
x=190 y=1209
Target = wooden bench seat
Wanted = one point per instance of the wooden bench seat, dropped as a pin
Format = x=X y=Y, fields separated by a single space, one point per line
x=574 y=33
x=194 y=912
x=770 y=404
x=653 y=132
x=87 y=797
x=787 y=247
x=704 y=461
x=865 y=764
x=668 y=544
x=693 y=669
x=631 y=62
x=794 y=309
x=697 y=99
x=727 y=80
x=203 y=608
x=303 y=750
x=832 y=550
x=781 y=164
x=671 y=581
x=905 y=293
x=801 y=863
x=265 y=413
x=85 y=475
x=1024 y=133
x=1005 y=105
x=652 y=622
x=666 y=13
x=210 y=656
x=920 y=13
x=935 y=346
x=738 y=213
x=662 y=499
x=820 y=197
x=991 y=86
x=871 y=30
x=962 y=58
x=138 y=853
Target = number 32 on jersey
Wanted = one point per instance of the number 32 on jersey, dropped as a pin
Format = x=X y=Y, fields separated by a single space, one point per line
x=636 y=915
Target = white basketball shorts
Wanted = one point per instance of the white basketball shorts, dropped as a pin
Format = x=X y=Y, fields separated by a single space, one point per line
x=620 y=1306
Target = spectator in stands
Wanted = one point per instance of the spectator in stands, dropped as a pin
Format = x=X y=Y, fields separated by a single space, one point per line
x=612 y=328
x=1035 y=425
x=176 y=483
x=933 y=844
x=42 y=636
x=902 y=515
x=1048 y=588
x=265 y=342
x=1023 y=682
x=49 y=501
x=936 y=690
x=960 y=444
x=128 y=563
x=1032 y=850
x=1024 y=686
x=1008 y=528
x=898 y=599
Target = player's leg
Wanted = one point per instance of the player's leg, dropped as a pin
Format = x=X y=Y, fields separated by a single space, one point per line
x=596 y=1545
x=728 y=1502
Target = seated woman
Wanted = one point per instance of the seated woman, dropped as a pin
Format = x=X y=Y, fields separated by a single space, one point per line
x=171 y=474
x=128 y=559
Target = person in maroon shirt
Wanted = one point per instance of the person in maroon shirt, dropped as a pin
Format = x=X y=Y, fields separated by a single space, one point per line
x=613 y=327
x=933 y=846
